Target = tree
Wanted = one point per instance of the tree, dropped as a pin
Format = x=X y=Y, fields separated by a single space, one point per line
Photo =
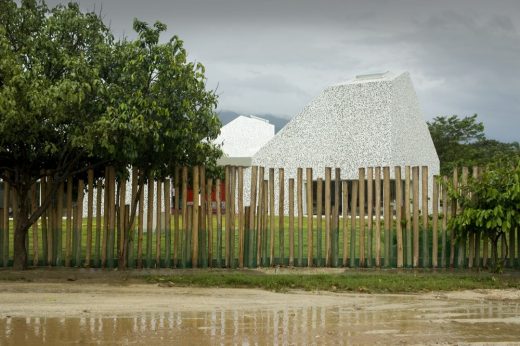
x=461 y=142
x=71 y=99
x=490 y=205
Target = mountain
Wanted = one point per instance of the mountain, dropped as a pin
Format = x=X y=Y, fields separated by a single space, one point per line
x=278 y=121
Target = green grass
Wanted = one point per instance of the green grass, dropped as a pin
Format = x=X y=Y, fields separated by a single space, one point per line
x=374 y=282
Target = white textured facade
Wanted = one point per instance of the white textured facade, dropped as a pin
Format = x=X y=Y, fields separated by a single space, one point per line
x=367 y=122
x=244 y=136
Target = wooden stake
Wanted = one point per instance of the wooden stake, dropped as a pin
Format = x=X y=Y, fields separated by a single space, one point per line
x=195 y=221
x=453 y=214
x=158 y=225
x=281 y=217
x=370 y=210
x=79 y=234
x=310 y=213
x=353 y=222
x=271 y=217
x=387 y=216
x=299 y=187
x=59 y=226
x=378 y=216
x=362 y=217
x=97 y=246
x=219 y=223
x=415 y=203
x=68 y=226
x=140 y=225
x=344 y=207
x=328 y=240
x=435 y=222
x=104 y=243
x=121 y=211
x=260 y=214
x=34 y=206
x=408 y=216
x=185 y=253
x=252 y=209
x=232 y=215
x=398 y=216
x=149 y=221
x=424 y=210
x=209 y=187
x=291 y=222
x=227 y=190
x=90 y=212
x=335 y=217
x=167 y=223
x=203 y=258
x=461 y=260
x=176 y=229
x=444 y=221
x=319 y=218
x=241 y=220
x=5 y=226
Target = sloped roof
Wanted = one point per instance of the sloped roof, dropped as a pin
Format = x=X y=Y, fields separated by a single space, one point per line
x=371 y=120
x=244 y=136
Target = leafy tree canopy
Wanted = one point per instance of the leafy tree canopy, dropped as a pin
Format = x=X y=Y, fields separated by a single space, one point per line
x=490 y=204
x=461 y=142
x=73 y=98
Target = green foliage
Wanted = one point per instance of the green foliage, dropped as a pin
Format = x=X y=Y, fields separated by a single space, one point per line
x=72 y=98
x=461 y=142
x=490 y=204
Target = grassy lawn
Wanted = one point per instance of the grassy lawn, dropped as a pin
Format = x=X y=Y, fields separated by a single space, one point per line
x=351 y=281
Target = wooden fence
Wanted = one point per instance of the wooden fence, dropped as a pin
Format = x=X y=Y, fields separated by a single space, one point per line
x=372 y=221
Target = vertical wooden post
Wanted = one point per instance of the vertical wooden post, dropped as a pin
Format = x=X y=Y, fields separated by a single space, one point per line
x=425 y=231
x=104 y=243
x=140 y=223
x=68 y=227
x=310 y=213
x=271 y=217
x=232 y=212
x=158 y=224
x=265 y=219
x=5 y=226
x=328 y=240
x=461 y=260
x=90 y=212
x=97 y=250
x=34 y=206
x=227 y=217
x=50 y=222
x=219 y=223
x=79 y=205
x=344 y=208
x=195 y=221
x=252 y=209
x=444 y=221
x=387 y=216
x=185 y=239
x=209 y=213
x=259 y=217
x=378 y=215
x=149 y=221
x=59 y=225
x=122 y=221
x=476 y=241
x=241 y=238
x=453 y=214
x=299 y=186
x=111 y=217
x=398 y=216
x=435 y=222
x=335 y=217
x=408 y=216
x=319 y=218
x=361 y=185
x=291 y=222
x=43 y=219
x=176 y=229
x=370 y=211
x=167 y=223
x=130 y=259
x=203 y=258
x=353 y=221
x=415 y=203
x=281 y=217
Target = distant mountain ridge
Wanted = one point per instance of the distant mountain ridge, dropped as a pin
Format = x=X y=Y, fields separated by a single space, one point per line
x=278 y=121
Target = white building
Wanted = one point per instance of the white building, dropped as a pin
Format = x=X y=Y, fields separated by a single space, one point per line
x=372 y=120
x=242 y=138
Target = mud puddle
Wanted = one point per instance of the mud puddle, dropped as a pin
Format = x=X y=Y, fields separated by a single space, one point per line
x=145 y=314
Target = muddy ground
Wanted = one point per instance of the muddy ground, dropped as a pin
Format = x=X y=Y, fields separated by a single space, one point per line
x=89 y=306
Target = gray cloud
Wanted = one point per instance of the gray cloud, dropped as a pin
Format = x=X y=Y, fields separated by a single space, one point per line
x=275 y=56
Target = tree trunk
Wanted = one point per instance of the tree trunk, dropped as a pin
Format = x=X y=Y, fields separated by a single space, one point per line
x=22 y=225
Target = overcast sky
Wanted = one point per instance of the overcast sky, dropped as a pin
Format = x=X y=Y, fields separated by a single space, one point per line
x=276 y=56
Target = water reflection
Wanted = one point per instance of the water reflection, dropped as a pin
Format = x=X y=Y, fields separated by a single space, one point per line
x=451 y=322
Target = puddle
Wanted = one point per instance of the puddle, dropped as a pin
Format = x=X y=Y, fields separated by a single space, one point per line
x=376 y=319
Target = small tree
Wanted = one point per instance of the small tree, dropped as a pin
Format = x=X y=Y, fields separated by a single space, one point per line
x=490 y=206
